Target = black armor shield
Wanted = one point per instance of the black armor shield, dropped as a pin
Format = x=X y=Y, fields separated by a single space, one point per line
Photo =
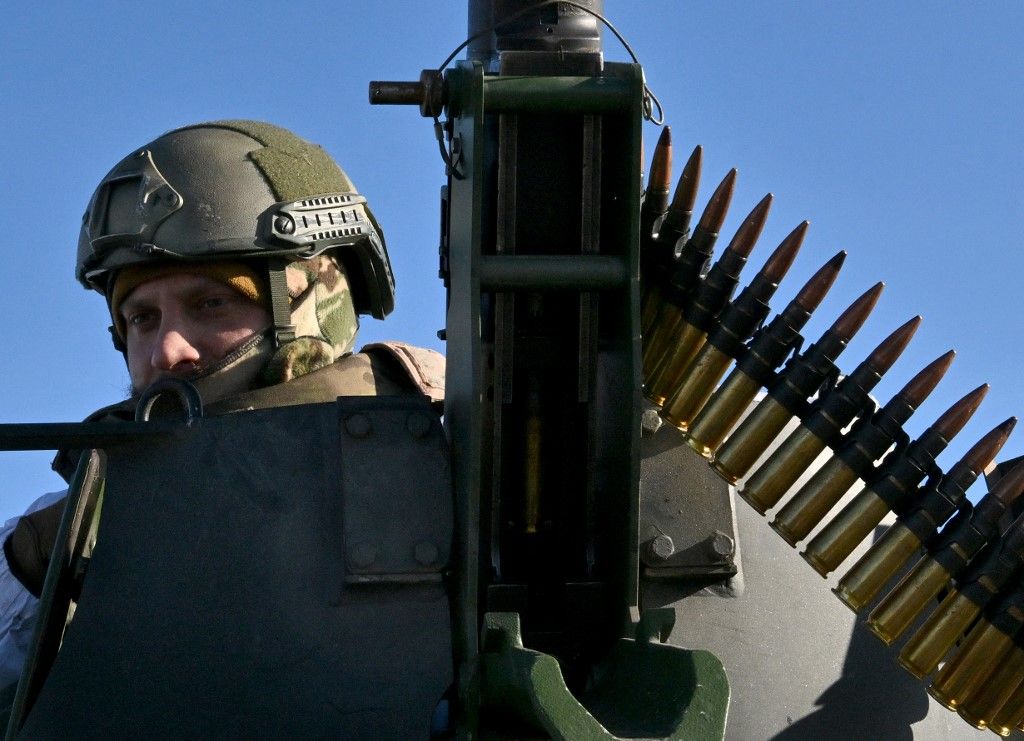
x=274 y=573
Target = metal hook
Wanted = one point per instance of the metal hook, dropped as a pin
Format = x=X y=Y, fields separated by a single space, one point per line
x=187 y=394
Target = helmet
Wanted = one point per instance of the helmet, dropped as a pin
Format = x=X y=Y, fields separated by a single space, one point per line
x=237 y=190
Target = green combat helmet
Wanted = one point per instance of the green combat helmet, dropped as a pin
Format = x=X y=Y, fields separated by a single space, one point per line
x=253 y=192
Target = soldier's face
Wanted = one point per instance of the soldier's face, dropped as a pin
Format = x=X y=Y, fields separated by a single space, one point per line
x=179 y=324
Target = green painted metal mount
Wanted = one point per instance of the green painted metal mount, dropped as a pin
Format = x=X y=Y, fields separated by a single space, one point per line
x=642 y=690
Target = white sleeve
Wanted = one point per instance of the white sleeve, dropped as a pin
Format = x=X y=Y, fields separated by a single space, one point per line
x=17 y=606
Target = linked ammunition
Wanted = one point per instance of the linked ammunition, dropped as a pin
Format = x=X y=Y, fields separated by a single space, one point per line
x=664 y=363
x=899 y=475
x=788 y=396
x=672 y=236
x=943 y=628
x=957 y=545
x=824 y=422
x=863 y=582
x=1011 y=714
x=855 y=456
x=756 y=366
x=656 y=256
x=734 y=327
x=981 y=704
x=988 y=644
x=677 y=221
x=685 y=287
x=659 y=183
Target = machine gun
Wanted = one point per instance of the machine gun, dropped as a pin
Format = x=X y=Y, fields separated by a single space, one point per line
x=539 y=252
x=540 y=255
x=553 y=547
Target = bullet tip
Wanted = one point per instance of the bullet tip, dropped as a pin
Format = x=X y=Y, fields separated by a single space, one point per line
x=781 y=260
x=883 y=356
x=983 y=452
x=813 y=292
x=921 y=385
x=686 y=189
x=714 y=214
x=1010 y=485
x=660 y=179
x=954 y=419
x=750 y=230
x=851 y=320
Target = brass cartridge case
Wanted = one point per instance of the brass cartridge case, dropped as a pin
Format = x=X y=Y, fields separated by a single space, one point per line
x=845 y=531
x=702 y=376
x=977 y=658
x=719 y=415
x=658 y=340
x=982 y=705
x=650 y=306
x=899 y=607
x=669 y=372
x=925 y=649
x=813 y=501
x=865 y=579
x=531 y=513
x=770 y=482
x=734 y=459
x=1011 y=714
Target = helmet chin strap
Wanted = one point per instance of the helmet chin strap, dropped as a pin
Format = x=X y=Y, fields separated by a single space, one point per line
x=280 y=305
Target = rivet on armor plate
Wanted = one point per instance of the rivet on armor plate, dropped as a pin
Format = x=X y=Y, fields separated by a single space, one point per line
x=357 y=425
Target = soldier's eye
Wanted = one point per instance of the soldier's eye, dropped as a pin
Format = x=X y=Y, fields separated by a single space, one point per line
x=213 y=302
x=139 y=318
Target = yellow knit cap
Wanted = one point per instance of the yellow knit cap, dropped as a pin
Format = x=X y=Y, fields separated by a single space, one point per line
x=236 y=275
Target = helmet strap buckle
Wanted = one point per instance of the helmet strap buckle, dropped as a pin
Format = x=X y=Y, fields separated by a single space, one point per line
x=280 y=305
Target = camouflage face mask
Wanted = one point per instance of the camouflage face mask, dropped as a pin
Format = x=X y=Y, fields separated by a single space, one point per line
x=324 y=317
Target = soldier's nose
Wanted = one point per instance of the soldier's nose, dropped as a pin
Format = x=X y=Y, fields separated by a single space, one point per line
x=174 y=353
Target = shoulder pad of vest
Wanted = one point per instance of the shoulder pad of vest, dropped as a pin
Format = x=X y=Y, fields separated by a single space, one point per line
x=424 y=366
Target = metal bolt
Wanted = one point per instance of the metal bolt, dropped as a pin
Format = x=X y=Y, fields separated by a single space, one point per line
x=661 y=547
x=426 y=553
x=650 y=421
x=720 y=546
x=418 y=424
x=357 y=425
x=284 y=224
x=362 y=555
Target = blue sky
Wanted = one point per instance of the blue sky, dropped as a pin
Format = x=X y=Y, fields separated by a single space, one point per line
x=894 y=128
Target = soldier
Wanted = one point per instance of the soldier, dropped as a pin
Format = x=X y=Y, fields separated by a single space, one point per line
x=237 y=256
